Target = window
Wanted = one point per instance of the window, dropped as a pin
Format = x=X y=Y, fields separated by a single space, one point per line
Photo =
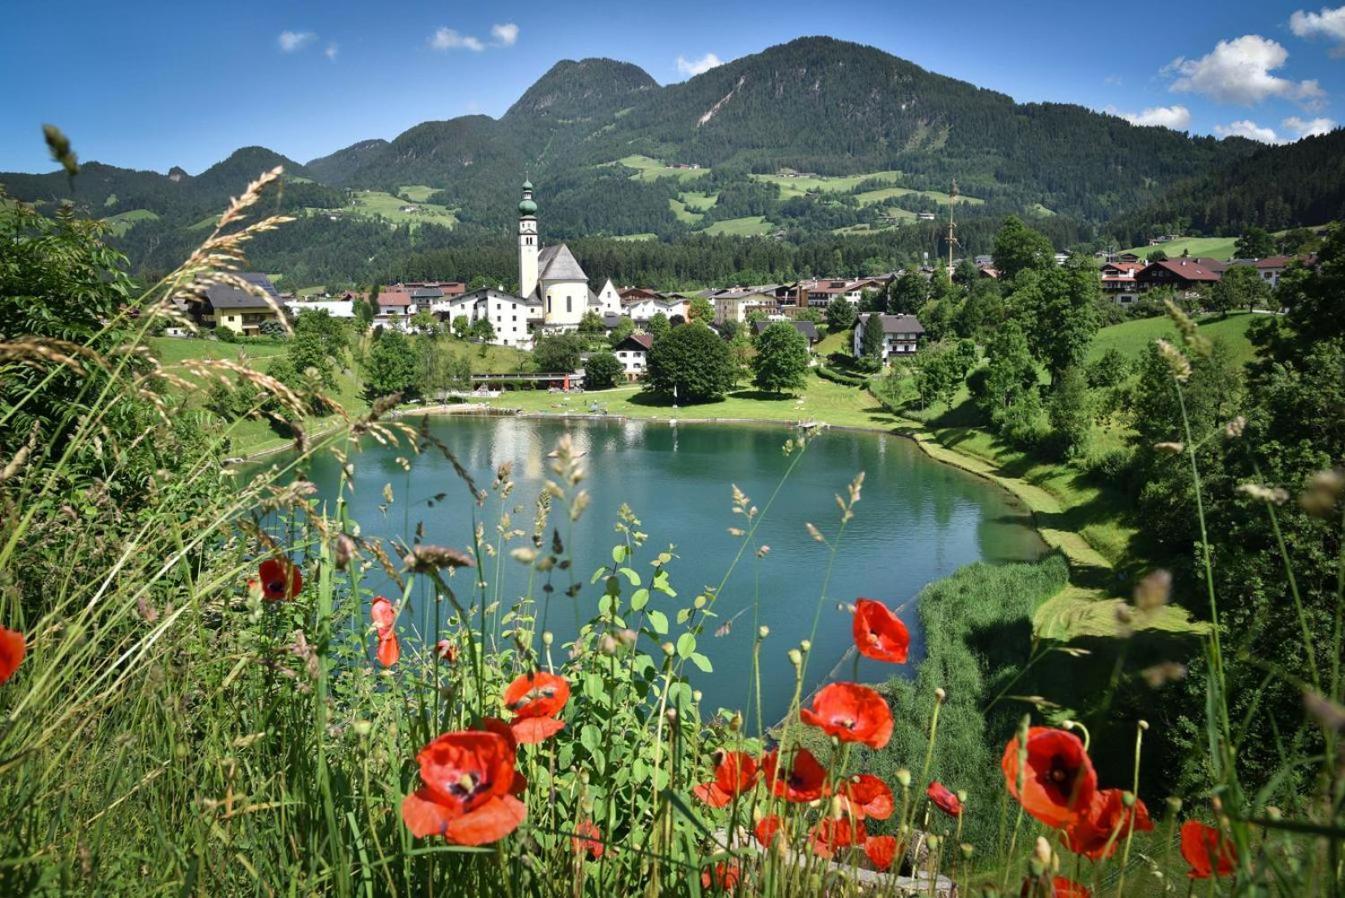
x=568 y=303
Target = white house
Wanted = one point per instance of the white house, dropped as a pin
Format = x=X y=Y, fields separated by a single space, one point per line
x=609 y=299
x=901 y=333
x=643 y=308
x=513 y=317
x=337 y=308
x=633 y=353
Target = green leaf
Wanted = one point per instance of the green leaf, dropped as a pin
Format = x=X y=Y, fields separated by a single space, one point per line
x=702 y=662
x=661 y=584
x=639 y=599
x=683 y=615
x=659 y=621
x=618 y=554
x=591 y=738
x=686 y=645
x=630 y=575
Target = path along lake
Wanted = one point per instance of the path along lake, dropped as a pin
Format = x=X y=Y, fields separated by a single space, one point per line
x=918 y=520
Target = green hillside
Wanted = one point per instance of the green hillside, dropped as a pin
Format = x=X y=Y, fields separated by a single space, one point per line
x=1133 y=338
x=1207 y=247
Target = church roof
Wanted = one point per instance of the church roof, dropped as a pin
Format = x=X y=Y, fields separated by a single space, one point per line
x=557 y=263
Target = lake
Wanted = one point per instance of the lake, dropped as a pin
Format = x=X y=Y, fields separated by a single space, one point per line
x=918 y=520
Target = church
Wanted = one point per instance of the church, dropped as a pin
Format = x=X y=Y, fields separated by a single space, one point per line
x=551 y=278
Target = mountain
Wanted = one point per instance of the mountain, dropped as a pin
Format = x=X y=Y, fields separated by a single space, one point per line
x=816 y=137
x=1275 y=187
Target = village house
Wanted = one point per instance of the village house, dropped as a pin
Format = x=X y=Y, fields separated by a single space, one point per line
x=1119 y=283
x=901 y=334
x=1183 y=274
x=633 y=354
x=735 y=303
x=395 y=308
x=241 y=311
x=641 y=310
x=807 y=328
x=1272 y=268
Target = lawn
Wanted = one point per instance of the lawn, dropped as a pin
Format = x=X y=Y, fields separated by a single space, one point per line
x=122 y=222
x=648 y=169
x=376 y=204
x=869 y=197
x=698 y=202
x=866 y=228
x=1208 y=247
x=752 y=226
x=684 y=212
x=1132 y=338
x=644 y=236
x=416 y=193
x=821 y=400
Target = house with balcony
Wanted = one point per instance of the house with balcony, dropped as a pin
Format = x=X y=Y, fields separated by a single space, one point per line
x=901 y=334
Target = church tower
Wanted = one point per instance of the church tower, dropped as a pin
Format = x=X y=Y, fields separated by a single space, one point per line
x=527 y=242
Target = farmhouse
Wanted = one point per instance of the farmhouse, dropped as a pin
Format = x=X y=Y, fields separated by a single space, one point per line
x=1272 y=268
x=510 y=316
x=901 y=333
x=1180 y=274
x=807 y=328
x=239 y=310
x=633 y=353
x=1118 y=281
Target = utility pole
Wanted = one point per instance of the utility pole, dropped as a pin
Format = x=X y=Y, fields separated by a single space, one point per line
x=952 y=226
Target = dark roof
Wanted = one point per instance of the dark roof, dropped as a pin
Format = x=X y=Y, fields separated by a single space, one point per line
x=427 y=293
x=807 y=328
x=897 y=324
x=227 y=296
x=1187 y=269
x=637 y=342
x=557 y=263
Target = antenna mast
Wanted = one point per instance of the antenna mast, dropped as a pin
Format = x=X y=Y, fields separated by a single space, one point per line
x=952 y=226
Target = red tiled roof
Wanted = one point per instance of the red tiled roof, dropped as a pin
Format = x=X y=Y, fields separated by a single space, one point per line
x=1189 y=269
x=394 y=297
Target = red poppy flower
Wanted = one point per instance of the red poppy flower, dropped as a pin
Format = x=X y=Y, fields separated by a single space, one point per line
x=834 y=833
x=868 y=796
x=504 y=731
x=881 y=851
x=384 y=616
x=879 y=633
x=735 y=773
x=280 y=579
x=12 y=650
x=1059 y=782
x=535 y=699
x=586 y=839
x=1092 y=835
x=723 y=877
x=851 y=713
x=805 y=781
x=466 y=777
x=944 y=799
x=768 y=828
x=447 y=651
x=1060 y=888
x=1207 y=851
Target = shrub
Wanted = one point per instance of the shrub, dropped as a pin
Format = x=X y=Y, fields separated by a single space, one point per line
x=692 y=364
x=602 y=371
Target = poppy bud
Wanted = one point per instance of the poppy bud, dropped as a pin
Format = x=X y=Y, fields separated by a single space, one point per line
x=548 y=638
x=627 y=637
x=1042 y=851
x=962 y=795
x=362 y=728
x=697 y=695
x=608 y=644
x=795 y=658
x=940 y=695
x=904 y=778
x=343 y=551
x=763 y=631
x=1128 y=799
x=672 y=715
x=806 y=646
x=736 y=722
x=967 y=850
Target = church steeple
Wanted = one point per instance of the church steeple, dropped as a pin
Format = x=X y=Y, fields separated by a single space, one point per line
x=527 y=242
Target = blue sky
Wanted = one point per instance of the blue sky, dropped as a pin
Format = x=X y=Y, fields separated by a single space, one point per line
x=154 y=84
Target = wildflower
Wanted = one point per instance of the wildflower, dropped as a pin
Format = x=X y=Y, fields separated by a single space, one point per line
x=1177 y=363
x=1276 y=495
x=1059 y=887
x=447 y=650
x=833 y=833
x=586 y=839
x=1107 y=822
x=767 y=828
x=466 y=777
x=868 y=796
x=805 y=781
x=851 y=713
x=735 y=773
x=1207 y=850
x=881 y=851
x=1059 y=781
x=880 y=634
x=11 y=652
x=535 y=699
x=384 y=616
x=1234 y=428
x=1322 y=492
x=722 y=877
x=280 y=579
x=944 y=799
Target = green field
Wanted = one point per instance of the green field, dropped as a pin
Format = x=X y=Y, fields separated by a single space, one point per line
x=698 y=202
x=869 y=197
x=1132 y=338
x=683 y=213
x=642 y=236
x=647 y=169
x=122 y=222
x=1040 y=211
x=791 y=187
x=1208 y=247
x=416 y=193
x=385 y=206
x=175 y=350
x=752 y=226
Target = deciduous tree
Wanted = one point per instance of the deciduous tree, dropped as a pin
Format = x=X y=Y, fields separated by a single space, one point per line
x=781 y=362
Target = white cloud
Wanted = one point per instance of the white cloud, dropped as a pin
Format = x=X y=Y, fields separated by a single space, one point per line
x=1329 y=23
x=690 y=67
x=332 y=51
x=448 y=39
x=1239 y=71
x=1178 y=118
x=291 y=41
x=505 y=35
x=1248 y=129
x=1309 y=127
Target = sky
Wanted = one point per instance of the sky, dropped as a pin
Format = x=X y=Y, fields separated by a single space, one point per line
x=151 y=85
